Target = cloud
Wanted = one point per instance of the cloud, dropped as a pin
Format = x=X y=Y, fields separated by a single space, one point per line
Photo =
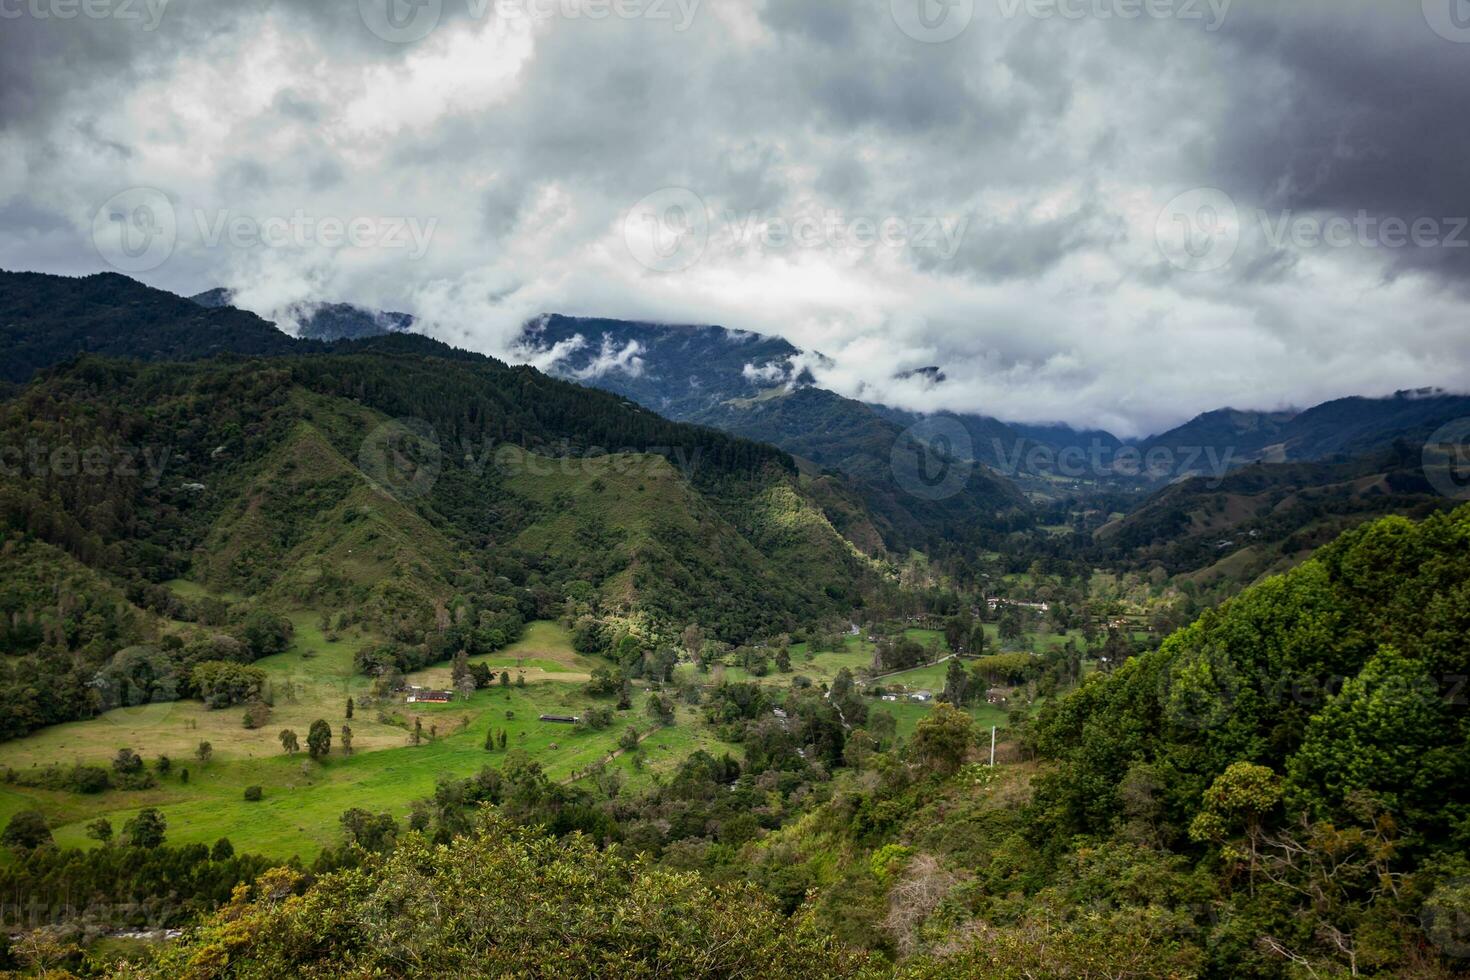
x=990 y=205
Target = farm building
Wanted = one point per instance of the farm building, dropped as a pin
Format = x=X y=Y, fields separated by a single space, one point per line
x=429 y=697
x=561 y=719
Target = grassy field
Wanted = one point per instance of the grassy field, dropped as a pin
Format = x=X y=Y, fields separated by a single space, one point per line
x=303 y=799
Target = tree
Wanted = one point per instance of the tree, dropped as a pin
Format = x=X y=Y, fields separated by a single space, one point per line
x=289 y=742
x=100 y=830
x=505 y=679
x=253 y=794
x=346 y=740
x=164 y=765
x=319 y=739
x=1010 y=626
x=956 y=683
x=223 y=850
x=26 y=831
x=628 y=741
x=349 y=709
x=661 y=709
x=257 y=713
x=146 y=830
x=503 y=739
x=783 y=660
x=943 y=739
x=266 y=633
x=418 y=731
x=490 y=740
x=127 y=762
x=204 y=752
x=693 y=641
x=1239 y=799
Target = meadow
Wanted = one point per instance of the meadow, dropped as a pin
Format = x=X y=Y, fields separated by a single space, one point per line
x=303 y=799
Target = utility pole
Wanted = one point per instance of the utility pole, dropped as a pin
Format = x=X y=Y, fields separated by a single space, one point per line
x=992 y=746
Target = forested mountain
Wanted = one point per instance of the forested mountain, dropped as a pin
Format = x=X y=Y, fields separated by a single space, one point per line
x=1347 y=426
x=736 y=381
x=852 y=438
x=1267 y=516
x=326 y=321
x=677 y=371
x=389 y=479
x=45 y=320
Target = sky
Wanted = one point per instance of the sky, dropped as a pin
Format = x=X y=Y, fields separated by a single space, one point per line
x=1106 y=213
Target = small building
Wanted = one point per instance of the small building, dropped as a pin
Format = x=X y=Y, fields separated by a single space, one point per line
x=430 y=697
x=890 y=697
x=561 y=719
x=997 y=695
x=779 y=713
x=922 y=696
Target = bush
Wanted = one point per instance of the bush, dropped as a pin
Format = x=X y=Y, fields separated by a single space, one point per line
x=253 y=794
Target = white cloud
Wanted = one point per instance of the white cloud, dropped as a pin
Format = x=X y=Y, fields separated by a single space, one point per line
x=1055 y=143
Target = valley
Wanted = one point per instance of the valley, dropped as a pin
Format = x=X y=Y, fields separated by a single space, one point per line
x=382 y=616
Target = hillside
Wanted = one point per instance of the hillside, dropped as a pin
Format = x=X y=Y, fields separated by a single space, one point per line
x=1274 y=793
x=1266 y=516
x=389 y=484
x=1346 y=426
x=49 y=319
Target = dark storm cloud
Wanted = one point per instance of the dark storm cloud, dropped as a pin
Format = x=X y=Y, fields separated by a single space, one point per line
x=1044 y=147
